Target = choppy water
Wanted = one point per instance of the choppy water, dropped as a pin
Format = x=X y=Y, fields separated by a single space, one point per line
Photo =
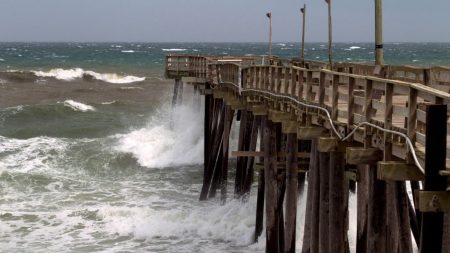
x=89 y=161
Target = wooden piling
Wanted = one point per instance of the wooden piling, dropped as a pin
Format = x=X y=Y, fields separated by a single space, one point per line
x=177 y=91
x=261 y=185
x=271 y=186
x=392 y=211
x=362 y=209
x=248 y=172
x=207 y=136
x=245 y=132
x=376 y=226
x=405 y=240
x=311 y=230
x=324 y=204
x=337 y=194
x=228 y=121
x=436 y=132
x=291 y=192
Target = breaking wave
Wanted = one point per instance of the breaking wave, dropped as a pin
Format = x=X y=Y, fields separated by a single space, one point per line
x=164 y=144
x=77 y=106
x=71 y=74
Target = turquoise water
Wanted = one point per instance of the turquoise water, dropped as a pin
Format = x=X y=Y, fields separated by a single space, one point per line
x=93 y=159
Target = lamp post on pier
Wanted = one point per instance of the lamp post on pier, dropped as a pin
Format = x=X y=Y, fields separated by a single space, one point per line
x=378 y=33
x=269 y=15
x=302 y=56
x=330 y=33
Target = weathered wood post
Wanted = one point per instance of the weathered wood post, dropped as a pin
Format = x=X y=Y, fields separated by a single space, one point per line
x=207 y=134
x=252 y=141
x=271 y=185
x=435 y=155
x=338 y=191
x=311 y=230
x=324 y=206
x=228 y=121
x=245 y=133
x=177 y=92
x=261 y=185
x=291 y=192
x=362 y=209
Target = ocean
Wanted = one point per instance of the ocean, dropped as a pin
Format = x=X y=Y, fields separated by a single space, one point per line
x=93 y=158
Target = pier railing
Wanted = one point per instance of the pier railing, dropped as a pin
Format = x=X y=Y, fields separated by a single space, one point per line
x=356 y=99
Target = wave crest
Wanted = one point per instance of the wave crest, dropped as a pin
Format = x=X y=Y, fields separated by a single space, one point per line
x=77 y=106
x=71 y=74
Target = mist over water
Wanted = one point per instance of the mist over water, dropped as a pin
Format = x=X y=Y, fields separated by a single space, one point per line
x=94 y=159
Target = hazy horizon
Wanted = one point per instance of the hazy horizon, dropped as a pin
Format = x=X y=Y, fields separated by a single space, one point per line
x=235 y=42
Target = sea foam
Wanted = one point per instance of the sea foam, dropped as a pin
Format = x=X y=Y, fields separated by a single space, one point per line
x=71 y=74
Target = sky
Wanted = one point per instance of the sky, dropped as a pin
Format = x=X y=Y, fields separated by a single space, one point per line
x=219 y=21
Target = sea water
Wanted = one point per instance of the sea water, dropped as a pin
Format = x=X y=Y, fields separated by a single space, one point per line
x=93 y=158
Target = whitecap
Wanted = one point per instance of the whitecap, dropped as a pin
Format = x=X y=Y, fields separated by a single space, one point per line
x=77 y=106
x=1 y=59
x=127 y=51
x=354 y=47
x=109 y=103
x=173 y=49
x=131 y=88
x=281 y=44
x=114 y=78
x=71 y=74
x=61 y=74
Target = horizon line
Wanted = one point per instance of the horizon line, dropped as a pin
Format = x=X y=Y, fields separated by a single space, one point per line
x=231 y=42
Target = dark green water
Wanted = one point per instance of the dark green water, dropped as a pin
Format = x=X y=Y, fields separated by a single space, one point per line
x=89 y=161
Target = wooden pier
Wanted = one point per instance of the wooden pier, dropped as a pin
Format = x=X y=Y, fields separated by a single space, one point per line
x=376 y=131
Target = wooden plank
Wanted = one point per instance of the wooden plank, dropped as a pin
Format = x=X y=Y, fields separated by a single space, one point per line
x=259 y=110
x=308 y=133
x=357 y=156
x=327 y=144
x=289 y=127
x=279 y=116
x=434 y=201
x=398 y=171
x=261 y=154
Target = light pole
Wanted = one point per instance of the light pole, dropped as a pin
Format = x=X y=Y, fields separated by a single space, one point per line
x=330 y=33
x=378 y=33
x=269 y=15
x=302 y=56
